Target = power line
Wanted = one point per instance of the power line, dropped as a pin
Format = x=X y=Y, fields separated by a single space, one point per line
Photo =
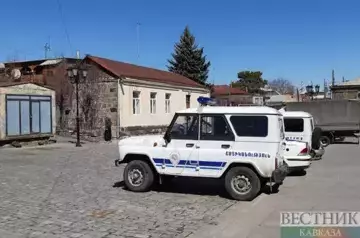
x=64 y=23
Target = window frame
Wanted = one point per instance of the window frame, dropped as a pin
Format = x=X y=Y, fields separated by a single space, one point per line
x=187 y=100
x=167 y=102
x=134 y=99
x=294 y=118
x=153 y=103
x=250 y=115
x=217 y=138
x=176 y=116
x=30 y=99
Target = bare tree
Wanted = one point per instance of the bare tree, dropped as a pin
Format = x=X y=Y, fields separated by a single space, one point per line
x=283 y=86
x=89 y=100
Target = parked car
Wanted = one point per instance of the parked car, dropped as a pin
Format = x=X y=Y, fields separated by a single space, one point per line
x=299 y=126
x=243 y=146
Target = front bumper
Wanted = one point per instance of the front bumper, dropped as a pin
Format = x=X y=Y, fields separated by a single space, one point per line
x=280 y=173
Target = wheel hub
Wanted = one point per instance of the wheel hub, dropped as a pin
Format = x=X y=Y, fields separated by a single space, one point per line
x=136 y=177
x=241 y=184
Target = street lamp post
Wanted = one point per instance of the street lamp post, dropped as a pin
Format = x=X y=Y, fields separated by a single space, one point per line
x=76 y=76
x=311 y=92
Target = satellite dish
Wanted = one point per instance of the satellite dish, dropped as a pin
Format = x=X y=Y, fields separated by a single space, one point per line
x=15 y=73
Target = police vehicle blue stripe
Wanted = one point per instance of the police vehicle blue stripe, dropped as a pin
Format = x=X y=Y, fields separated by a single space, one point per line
x=190 y=167
x=190 y=164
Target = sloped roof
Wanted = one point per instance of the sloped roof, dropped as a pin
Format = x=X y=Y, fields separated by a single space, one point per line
x=121 y=69
x=226 y=90
x=51 y=62
x=10 y=84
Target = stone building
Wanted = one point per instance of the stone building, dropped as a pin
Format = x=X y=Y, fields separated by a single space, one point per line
x=136 y=99
x=346 y=90
x=45 y=72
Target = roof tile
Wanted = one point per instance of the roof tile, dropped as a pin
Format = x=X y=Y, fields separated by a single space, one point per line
x=226 y=89
x=121 y=69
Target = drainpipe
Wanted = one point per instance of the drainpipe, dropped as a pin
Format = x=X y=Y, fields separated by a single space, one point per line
x=118 y=109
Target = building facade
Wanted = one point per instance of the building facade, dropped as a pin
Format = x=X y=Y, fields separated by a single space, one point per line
x=346 y=90
x=136 y=99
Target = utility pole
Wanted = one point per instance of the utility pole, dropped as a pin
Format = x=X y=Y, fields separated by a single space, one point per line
x=333 y=78
x=47 y=49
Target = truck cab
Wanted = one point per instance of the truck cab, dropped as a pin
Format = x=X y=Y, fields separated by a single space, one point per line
x=243 y=146
x=299 y=126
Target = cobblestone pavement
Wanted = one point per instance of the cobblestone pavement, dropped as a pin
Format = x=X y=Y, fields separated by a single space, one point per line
x=62 y=191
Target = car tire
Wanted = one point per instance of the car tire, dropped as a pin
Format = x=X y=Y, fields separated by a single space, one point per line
x=316 y=138
x=242 y=183
x=138 y=176
x=325 y=141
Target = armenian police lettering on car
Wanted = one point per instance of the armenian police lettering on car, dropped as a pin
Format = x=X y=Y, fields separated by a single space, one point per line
x=247 y=154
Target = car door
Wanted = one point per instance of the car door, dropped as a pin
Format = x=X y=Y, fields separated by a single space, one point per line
x=181 y=153
x=216 y=140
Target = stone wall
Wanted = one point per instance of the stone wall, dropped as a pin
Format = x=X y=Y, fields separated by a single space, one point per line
x=103 y=91
x=345 y=94
x=142 y=130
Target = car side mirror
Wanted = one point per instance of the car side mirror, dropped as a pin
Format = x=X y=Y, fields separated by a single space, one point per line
x=167 y=137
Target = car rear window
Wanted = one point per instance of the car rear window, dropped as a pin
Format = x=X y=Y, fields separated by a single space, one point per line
x=250 y=126
x=294 y=125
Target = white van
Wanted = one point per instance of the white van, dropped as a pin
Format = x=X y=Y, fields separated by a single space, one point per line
x=299 y=126
x=243 y=146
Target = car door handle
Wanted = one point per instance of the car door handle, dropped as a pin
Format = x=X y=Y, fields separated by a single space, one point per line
x=225 y=146
x=189 y=145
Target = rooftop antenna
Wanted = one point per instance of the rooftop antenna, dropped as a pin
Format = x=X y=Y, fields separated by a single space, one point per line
x=138 y=40
x=47 y=49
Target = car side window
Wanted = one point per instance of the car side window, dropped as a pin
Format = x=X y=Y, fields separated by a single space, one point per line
x=215 y=127
x=250 y=126
x=294 y=125
x=185 y=127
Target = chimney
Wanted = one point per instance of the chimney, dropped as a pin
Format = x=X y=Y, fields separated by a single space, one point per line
x=78 y=54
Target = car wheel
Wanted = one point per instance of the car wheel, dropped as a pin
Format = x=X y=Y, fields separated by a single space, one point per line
x=316 y=138
x=325 y=141
x=242 y=183
x=138 y=176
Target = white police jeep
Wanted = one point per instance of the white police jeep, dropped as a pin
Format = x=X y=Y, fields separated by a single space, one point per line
x=299 y=126
x=244 y=146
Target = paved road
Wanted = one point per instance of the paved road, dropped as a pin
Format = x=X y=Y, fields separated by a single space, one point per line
x=62 y=191
x=331 y=184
